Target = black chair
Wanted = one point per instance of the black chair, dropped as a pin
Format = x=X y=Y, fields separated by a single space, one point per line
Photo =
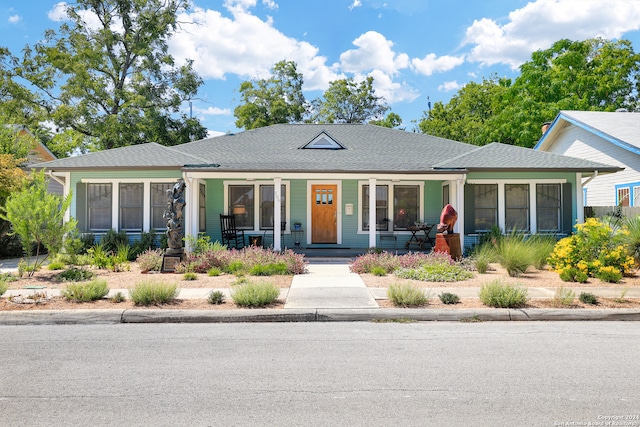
x=230 y=233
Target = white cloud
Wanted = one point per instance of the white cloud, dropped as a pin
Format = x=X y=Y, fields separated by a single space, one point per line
x=59 y=12
x=14 y=19
x=431 y=64
x=243 y=45
x=356 y=3
x=212 y=111
x=540 y=23
x=374 y=52
x=392 y=92
x=270 y=4
x=449 y=86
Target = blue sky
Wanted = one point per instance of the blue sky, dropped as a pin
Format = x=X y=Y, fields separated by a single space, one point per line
x=415 y=49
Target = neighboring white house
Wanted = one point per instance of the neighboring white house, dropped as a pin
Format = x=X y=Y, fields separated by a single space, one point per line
x=612 y=138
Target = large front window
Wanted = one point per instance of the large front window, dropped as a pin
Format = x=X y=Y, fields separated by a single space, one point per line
x=241 y=205
x=266 y=206
x=253 y=205
x=397 y=206
x=516 y=200
x=99 y=206
x=159 y=199
x=486 y=206
x=549 y=202
x=131 y=202
x=406 y=206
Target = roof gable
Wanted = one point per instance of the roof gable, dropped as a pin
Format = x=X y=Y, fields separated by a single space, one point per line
x=323 y=142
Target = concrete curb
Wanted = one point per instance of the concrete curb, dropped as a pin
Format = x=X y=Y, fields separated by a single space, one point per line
x=107 y=316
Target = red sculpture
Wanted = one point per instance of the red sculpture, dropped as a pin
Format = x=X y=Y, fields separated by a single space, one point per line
x=448 y=219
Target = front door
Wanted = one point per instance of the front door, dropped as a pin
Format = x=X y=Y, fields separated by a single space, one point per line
x=324 y=221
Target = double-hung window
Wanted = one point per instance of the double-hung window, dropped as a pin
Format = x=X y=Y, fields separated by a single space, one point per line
x=516 y=200
x=252 y=204
x=99 y=206
x=406 y=206
x=382 y=207
x=266 y=206
x=549 y=203
x=131 y=210
x=159 y=199
x=202 y=207
x=241 y=205
x=397 y=206
x=486 y=206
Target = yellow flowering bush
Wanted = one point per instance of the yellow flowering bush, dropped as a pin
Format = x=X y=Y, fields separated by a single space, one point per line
x=595 y=250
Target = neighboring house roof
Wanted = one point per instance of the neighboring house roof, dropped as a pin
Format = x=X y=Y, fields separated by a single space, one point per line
x=39 y=153
x=619 y=128
x=349 y=148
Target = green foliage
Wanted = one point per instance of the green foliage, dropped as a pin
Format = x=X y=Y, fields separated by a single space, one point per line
x=75 y=274
x=113 y=239
x=609 y=274
x=214 y=272
x=346 y=101
x=622 y=298
x=593 y=248
x=563 y=297
x=37 y=217
x=202 y=244
x=572 y=274
x=436 y=272
x=271 y=269
x=588 y=298
x=449 y=298
x=514 y=254
x=150 y=260
x=4 y=286
x=56 y=265
x=146 y=242
x=407 y=295
x=7 y=277
x=236 y=267
x=103 y=259
x=379 y=271
x=391 y=121
x=149 y=292
x=632 y=237
x=483 y=255
x=216 y=297
x=189 y=276
x=118 y=297
x=254 y=294
x=541 y=248
x=498 y=294
x=278 y=99
x=85 y=292
x=116 y=84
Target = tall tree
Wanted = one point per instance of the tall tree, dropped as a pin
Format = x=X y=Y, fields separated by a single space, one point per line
x=392 y=120
x=346 y=101
x=106 y=76
x=593 y=74
x=278 y=99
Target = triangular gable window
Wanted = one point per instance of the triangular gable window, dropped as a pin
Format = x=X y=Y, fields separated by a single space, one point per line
x=323 y=142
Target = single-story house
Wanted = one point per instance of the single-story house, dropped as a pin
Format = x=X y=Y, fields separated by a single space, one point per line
x=316 y=180
x=612 y=138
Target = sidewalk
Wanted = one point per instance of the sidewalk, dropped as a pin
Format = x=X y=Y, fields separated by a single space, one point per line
x=328 y=292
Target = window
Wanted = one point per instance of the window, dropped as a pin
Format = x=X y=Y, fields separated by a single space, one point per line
x=623 y=196
x=406 y=206
x=636 y=196
x=516 y=200
x=382 y=207
x=99 y=206
x=445 y=195
x=131 y=206
x=159 y=201
x=241 y=204
x=202 y=208
x=486 y=206
x=548 y=201
x=266 y=206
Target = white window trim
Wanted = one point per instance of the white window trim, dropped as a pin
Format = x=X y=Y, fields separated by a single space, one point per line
x=391 y=185
x=115 y=201
x=256 y=201
x=533 y=205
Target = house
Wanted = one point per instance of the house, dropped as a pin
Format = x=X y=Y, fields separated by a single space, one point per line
x=316 y=180
x=612 y=138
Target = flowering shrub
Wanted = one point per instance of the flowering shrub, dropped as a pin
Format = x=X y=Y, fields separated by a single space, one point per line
x=390 y=263
x=594 y=250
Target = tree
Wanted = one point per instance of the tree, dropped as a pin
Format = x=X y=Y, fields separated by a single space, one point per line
x=278 y=99
x=594 y=74
x=106 y=78
x=37 y=217
x=346 y=101
x=391 y=121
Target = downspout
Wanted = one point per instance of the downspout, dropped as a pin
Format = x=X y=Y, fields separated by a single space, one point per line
x=56 y=179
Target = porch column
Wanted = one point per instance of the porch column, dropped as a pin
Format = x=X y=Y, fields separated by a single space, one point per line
x=580 y=199
x=459 y=227
x=277 y=216
x=372 y=212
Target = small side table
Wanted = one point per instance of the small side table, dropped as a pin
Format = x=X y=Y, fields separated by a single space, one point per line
x=297 y=237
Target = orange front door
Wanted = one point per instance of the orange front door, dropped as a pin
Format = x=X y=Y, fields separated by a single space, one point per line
x=324 y=220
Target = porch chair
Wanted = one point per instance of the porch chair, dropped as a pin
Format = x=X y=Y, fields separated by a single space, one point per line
x=230 y=233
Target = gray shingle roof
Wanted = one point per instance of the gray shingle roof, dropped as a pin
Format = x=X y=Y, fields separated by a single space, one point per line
x=367 y=148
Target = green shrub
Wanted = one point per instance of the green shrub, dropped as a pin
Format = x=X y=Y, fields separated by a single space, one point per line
x=435 y=273
x=514 y=254
x=189 y=276
x=571 y=274
x=3 y=286
x=609 y=274
x=214 y=272
x=588 y=298
x=112 y=239
x=56 y=265
x=254 y=294
x=146 y=242
x=85 y=292
x=497 y=294
x=406 y=295
x=75 y=274
x=378 y=271
x=483 y=255
x=541 y=248
x=152 y=292
x=150 y=260
x=236 y=267
x=216 y=297
x=632 y=237
x=118 y=297
x=7 y=277
x=99 y=256
x=271 y=269
x=563 y=297
x=449 y=298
